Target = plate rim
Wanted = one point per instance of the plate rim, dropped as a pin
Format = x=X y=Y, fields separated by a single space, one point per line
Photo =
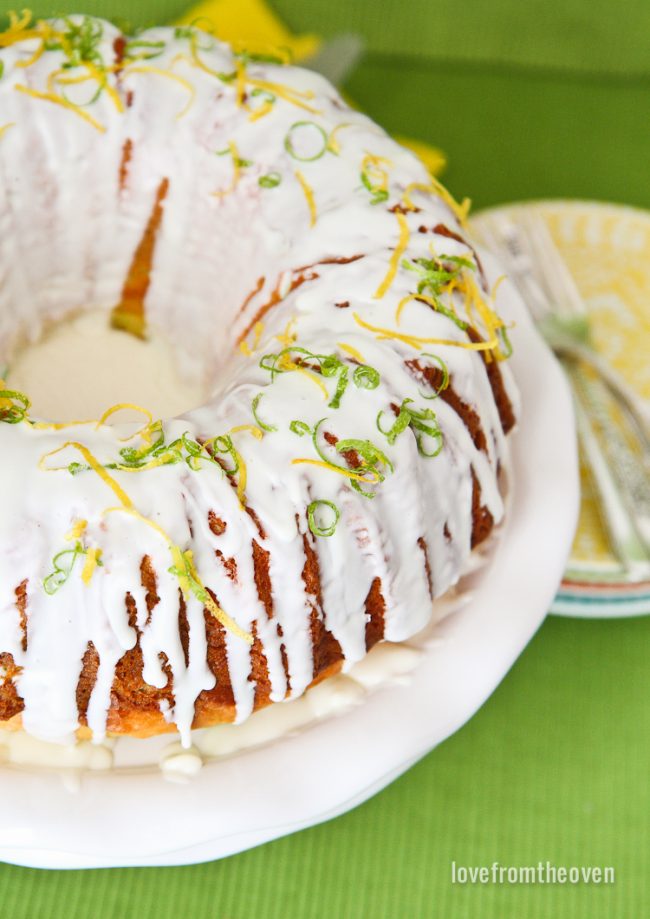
x=505 y=611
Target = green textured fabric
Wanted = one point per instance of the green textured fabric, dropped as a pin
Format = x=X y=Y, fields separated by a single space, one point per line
x=528 y=100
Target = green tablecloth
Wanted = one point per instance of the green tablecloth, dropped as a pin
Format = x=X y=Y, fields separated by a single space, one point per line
x=535 y=99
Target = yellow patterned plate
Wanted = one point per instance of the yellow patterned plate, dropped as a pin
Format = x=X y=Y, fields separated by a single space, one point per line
x=607 y=249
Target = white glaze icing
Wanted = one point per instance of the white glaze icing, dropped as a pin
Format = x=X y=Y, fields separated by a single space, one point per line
x=68 y=232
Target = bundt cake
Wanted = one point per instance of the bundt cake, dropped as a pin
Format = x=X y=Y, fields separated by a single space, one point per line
x=181 y=572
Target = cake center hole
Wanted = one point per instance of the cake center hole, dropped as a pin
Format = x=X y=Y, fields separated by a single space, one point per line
x=82 y=366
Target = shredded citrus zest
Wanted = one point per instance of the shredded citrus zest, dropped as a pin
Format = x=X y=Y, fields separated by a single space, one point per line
x=240 y=84
x=33 y=58
x=17 y=24
x=179 y=558
x=310 y=376
x=94 y=464
x=62 y=425
x=93 y=557
x=372 y=166
x=241 y=46
x=162 y=460
x=416 y=342
x=128 y=407
x=245 y=348
x=147 y=68
x=352 y=352
x=257 y=433
x=461 y=210
x=242 y=471
x=495 y=287
x=309 y=195
x=242 y=479
x=77 y=530
x=372 y=479
x=409 y=299
x=196 y=60
x=424 y=298
x=264 y=109
x=288 y=337
x=236 y=175
x=5 y=127
x=333 y=144
x=94 y=73
x=57 y=425
x=214 y=608
x=400 y=248
x=64 y=103
x=492 y=322
x=294 y=96
x=18 y=29
x=285 y=363
x=415 y=186
x=147 y=431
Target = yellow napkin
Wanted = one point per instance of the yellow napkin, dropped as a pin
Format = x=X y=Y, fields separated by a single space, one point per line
x=250 y=23
x=253 y=24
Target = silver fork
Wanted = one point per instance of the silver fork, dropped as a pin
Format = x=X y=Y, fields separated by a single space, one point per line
x=525 y=247
x=558 y=309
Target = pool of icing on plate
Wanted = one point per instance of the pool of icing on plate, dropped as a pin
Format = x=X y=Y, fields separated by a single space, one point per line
x=81 y=367
x=386 y=664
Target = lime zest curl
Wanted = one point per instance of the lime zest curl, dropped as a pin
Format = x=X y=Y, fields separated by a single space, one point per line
x=373 y=464
x=374 y=177
x=366 y=377
x=270 y=180
x=291 y=150
x=444 y=383
x=438 y=275
x=300 y=428
x=319 y=529
x=63 y=565
x=269 y=428
x=14 y=405
x=184 y=569
x=422 y=422
x=294 y=358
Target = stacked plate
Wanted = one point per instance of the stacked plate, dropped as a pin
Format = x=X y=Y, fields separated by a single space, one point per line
x=607 y=249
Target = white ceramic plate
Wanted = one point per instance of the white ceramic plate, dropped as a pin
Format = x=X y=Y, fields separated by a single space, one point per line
x=135 y=817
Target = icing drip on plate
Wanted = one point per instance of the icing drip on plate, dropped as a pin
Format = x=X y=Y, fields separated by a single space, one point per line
x=385 y=665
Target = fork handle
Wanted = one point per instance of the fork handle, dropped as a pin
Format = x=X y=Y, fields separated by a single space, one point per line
x=631 y=402
x=621 y=530
x=628 y=463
